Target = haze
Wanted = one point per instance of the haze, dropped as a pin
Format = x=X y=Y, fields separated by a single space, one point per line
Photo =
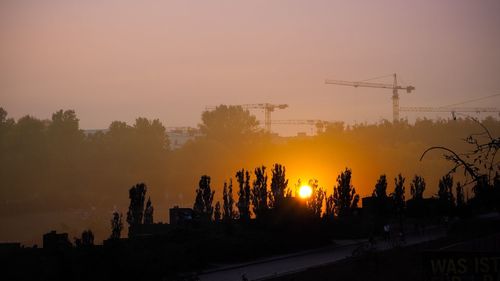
x=117 y=60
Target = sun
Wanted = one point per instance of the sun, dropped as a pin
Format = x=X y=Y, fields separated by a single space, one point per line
x=305 y=191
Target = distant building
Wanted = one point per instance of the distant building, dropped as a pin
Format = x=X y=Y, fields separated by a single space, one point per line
x=53 y=240
x=179 y=216
x=89 y=132
x=178 y=136
x=301 y=134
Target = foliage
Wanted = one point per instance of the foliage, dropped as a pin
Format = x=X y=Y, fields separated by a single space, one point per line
x=228 y=123
x=244 y=194
x=64 y=131
x=417 y=187
x=148 y=213
x=87 y=238
x=217 y=212
x=137 y=195
x=204 y=197
x=40 y=176
x=380 y=190
x=116 y=225
x=345 y=198
x=398 y=196
x=380 y=195
x=479 y=163
x=445 y=193
x=259 y=191
x=330 y=207
x=315 y=202
x=279 y=185
x=460 y=195
x=228 y=202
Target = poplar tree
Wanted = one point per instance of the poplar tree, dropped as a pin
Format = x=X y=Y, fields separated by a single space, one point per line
x=204 y=198
x=345 y=198
x=259 y=191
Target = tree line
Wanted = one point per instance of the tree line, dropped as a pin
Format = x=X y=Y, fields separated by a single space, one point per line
x=52 y=165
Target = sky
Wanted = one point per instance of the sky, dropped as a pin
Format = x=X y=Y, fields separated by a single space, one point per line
x=117 y=60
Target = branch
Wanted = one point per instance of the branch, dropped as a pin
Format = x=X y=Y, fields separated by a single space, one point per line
x=466 y=166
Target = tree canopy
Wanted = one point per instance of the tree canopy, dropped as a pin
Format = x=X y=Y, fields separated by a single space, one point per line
x=228 y=123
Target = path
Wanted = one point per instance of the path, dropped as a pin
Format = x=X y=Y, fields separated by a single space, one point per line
x=281 y=265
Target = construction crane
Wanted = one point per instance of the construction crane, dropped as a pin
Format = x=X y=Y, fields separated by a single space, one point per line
x=452 y=110
x=394 y=86
x=319 y=124
x=267 y=107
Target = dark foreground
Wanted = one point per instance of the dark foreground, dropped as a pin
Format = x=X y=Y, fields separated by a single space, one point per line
x=471 y=251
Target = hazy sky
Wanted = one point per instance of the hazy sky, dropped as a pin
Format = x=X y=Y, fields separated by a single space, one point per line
x=116 y=60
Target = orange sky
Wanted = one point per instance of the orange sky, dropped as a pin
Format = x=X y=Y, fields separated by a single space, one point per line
x=116 y=60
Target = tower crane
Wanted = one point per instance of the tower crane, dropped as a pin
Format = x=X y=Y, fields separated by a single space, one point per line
x=452 y=110
x=394 y=86
x=267 y=107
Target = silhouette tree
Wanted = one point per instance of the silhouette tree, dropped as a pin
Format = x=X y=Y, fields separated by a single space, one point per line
x=483 y=192
x=380 y=195
x=3 y=115
x=137 y=196
x=445 y=193
x=151 y=136
x=480 y=162
x=148 y=213
x=116 y=225
x=78 y=242
x=496 y=190
x=398 y=196
x=345 y=198
x=64 y=128
x=244 y=194
x=64 y=138
x=315 y=202
x=417 y=187
x=460 y=195
x=5 y=123
x=380 y=190
x=204 y=197
x=330 y=207
x=279 y=185
x=217 y=212
x=228 y=124
x=29 y=135
x=296 y=188
x=228 y=201
x=259 y=192
x=87 y=238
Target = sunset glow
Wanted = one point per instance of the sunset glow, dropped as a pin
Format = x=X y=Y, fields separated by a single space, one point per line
x=305 y=191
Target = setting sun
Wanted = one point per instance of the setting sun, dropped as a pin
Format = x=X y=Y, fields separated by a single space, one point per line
x=305 y=191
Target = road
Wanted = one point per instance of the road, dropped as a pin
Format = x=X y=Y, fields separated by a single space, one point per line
x=281 y=265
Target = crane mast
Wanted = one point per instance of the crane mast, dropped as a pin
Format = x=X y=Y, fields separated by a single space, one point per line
x=394 y=86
